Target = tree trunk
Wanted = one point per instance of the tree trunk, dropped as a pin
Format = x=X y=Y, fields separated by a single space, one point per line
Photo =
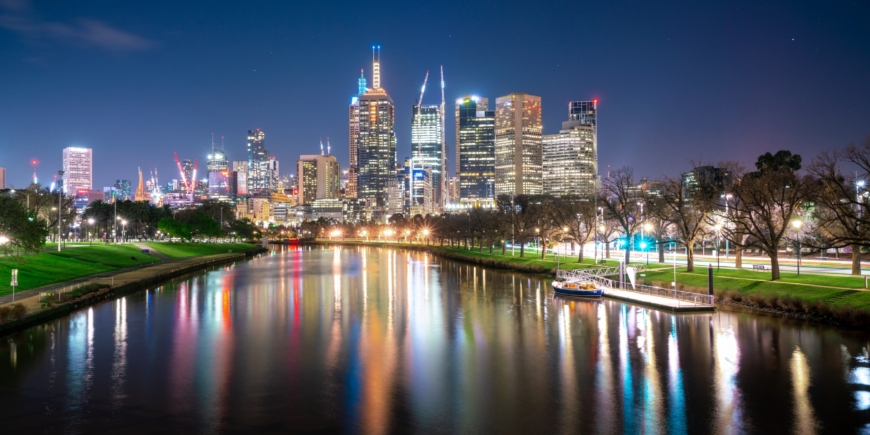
x=690 y=256
x=480 y=244
x=627 y=254
x=503 y=247
x=490 y=246
x=774 y=265
x=738 y=253
x=661 y=249
x=579 y=256
x=607 y=250
x=856 y=260
x=544 y=249
x=522 y=249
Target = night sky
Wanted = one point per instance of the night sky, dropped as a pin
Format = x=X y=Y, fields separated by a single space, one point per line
x=676 y=81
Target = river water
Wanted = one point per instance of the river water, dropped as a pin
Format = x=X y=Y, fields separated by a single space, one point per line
x=368 y=340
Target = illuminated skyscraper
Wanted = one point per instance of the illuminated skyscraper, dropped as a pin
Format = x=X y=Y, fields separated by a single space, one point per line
x=318 y=177
x=218 y=174
x=353 y=120
x=570 y=160
x=475 y=151
x=584 y=111
x=258 y=162
x=77 y=169
x=426 y=136
x=376 y=147
x=187 y=169
x=518 y=166
x=123 y=189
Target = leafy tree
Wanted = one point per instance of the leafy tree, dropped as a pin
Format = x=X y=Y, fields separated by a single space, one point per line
x=173 y=228
x=25 y=232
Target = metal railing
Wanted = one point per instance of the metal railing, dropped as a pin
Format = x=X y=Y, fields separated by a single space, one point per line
x=682 y=296
x=586 y=273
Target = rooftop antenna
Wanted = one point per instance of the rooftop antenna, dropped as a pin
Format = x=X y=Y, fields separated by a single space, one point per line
x=362 y=82
x=222 y=142
x=443 y=144
x=328 y=147
x=376 y=67
x=212 y=142
x=34 y=162
x=321 y=146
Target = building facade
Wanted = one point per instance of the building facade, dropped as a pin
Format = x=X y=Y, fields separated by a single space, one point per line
x=426 y=136
x=570 y=160
x=259 y=174
x=77 y=169
x=475 y=151
x=218 y=175
x=518 y=154
x=377 y=150
x=318 y=177
x=2 y=177
x=353 y=129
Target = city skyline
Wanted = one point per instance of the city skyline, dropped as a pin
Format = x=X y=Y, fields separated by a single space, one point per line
x=646 y=79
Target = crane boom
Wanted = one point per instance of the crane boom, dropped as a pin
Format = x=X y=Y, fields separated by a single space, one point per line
x=184 y=182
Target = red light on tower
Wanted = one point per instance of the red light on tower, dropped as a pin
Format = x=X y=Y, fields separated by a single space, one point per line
x=595 y=100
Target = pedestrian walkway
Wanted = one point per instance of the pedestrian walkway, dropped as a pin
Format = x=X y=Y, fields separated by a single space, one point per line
x=664 y=303
x=152 y=251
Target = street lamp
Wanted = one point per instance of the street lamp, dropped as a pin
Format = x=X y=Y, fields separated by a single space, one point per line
x=124 y=230
x=797 y=226
x=90 y=228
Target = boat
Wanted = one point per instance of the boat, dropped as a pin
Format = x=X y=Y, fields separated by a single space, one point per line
x=583 y=289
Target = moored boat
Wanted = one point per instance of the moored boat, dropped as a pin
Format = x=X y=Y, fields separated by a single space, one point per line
x=583 y=289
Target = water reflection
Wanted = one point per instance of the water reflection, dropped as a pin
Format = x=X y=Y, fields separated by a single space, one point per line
x=384 y=341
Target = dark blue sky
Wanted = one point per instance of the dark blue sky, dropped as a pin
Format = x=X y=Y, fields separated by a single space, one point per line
x=677 y=81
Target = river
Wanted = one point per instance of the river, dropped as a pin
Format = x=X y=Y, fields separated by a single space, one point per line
x=376 y=340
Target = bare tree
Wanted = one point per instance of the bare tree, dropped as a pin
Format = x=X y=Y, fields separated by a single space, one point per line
x=769 y=200
x=622 y=201
x=687 y=211
x=842 y=213
x=576 y=219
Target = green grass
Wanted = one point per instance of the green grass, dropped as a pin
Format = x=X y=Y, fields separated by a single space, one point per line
x=748 y=283
x=182 y=250
x=37 y=270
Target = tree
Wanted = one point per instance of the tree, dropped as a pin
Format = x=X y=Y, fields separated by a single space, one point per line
x=576 y=218
x=687 y=214
x=26 y=233
x=173 y=228
x=842 y=214
x=622 y=199
x=768 y=201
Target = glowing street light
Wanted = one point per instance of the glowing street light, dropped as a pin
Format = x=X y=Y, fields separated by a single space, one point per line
x=4 y=240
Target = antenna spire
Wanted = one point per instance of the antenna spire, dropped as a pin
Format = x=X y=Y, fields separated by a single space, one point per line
x=321 y=146
x=212 y=142
x=376 y=67
x=328 y=147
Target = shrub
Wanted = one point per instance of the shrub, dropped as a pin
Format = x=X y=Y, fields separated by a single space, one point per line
x=5 y=311
x=84 y=290
x=18 y=311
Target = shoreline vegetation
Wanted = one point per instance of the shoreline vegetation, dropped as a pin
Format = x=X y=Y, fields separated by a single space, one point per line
x=88 y=288
x=835 y=300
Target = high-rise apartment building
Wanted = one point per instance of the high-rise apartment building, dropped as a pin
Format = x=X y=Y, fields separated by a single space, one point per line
x=426 y=137
x=123 y=189
x=571 y=160
x=518 y=155
x=258 y=162
x=318 y=177
x=584 y=111
x=77 y=169
x=376 y=156
x=218 y=174
x=353 y=129
x=475 y=151
x=274 y=173
x=421 y=192
x=2 y=178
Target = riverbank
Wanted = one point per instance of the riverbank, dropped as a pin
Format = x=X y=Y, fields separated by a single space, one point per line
x=842 y=302
x=122 y=282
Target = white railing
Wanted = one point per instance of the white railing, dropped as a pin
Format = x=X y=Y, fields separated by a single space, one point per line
x=694 y=298
x=585 y=273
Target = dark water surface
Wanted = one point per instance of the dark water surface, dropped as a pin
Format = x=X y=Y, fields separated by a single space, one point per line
x=366 y=340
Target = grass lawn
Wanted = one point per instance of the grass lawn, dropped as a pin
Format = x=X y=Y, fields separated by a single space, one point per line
x=746 y=283
x=181 y=250
x=37 y=270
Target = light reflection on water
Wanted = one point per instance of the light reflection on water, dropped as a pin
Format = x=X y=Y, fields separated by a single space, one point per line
x=383 y=341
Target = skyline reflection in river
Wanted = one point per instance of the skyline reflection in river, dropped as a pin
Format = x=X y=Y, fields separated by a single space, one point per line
x=375 y=340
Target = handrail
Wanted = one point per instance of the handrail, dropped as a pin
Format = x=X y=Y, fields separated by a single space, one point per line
x=684 y=296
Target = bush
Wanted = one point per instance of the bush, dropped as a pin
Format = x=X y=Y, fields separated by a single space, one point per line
x=5 y=311
x=84 y=290
x=18 y=311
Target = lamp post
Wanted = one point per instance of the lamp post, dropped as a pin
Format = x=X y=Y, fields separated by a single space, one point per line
x=90 y=228
x=124 y=231
x=59 y=207
x=797 y=226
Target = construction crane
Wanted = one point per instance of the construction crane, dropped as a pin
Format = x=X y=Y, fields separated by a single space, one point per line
x=420 y=107
x=184 y=182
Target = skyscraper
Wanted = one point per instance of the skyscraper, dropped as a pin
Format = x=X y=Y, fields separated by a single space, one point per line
x=274 y=174
x=475 y=151
x=571 y=160
x=353 y=127
x=258 y=161
x=2 y=178
x=377 y=147
x=218 y=174
x=584 y=111
x=77 y=169
x=518 y=166
x=187 y=170
x=318 y=177
x=123 y=189
x=426 y=137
